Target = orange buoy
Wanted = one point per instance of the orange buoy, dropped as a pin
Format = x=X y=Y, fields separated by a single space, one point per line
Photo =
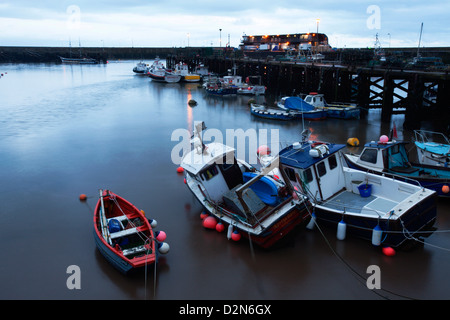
x=220 y=227
x=180 y=170
x=388 y=251
x=236 y=236
x=445 y=188
x=83 y=197
x=210 y=222
x=143 y=212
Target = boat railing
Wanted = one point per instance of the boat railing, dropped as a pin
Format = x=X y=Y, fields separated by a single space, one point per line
x=424 y=136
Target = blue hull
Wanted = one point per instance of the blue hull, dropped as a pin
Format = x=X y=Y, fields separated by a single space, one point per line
x=343 y=114
x=420 y=218
x=272 y=115
x=311 y=115
x=111 y=257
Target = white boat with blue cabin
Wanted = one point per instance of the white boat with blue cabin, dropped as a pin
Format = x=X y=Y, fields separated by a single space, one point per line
x=433 y=148
x=383 y=210
x=390 y=158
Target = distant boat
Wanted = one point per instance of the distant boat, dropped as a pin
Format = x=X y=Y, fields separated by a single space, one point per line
x=302 y=109
x=186 y=76
x=141 y=68
x=157 y=72
x=123 y=235
x=270 y=113
x=78 y=61
x=334 y=110
x=249 y=88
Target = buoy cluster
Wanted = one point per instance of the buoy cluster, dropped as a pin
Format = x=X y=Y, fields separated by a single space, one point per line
x=210 y=222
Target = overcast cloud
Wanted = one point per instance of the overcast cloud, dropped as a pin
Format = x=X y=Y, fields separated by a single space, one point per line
x=176 y=23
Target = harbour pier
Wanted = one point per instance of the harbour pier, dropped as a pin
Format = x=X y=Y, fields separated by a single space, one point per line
x=418 y=94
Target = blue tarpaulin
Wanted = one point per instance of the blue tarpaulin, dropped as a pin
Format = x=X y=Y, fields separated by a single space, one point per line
x=296 y=103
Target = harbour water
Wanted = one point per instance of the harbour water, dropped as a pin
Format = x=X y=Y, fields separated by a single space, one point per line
x=70 y=130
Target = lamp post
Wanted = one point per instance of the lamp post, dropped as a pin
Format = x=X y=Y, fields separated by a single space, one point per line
x=220 y=38
x=317 y=22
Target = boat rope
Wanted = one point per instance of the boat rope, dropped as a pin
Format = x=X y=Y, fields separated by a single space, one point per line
x=360 y=278
x=409 y=236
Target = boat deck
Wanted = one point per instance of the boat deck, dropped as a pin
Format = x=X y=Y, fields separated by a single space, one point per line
x=354 y=203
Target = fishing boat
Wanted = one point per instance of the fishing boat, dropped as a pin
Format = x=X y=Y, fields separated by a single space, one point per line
x=124 y=236
x=390 y=158
x=274 y=113
x=338 y=110
x=141 y=68
x=301 y=109
x=433 y=148
x=249 y=203
x=383 y=210
x=157 y=72
x=249 y=88
x=220 y=89
x=78 y=60
x=186 y=76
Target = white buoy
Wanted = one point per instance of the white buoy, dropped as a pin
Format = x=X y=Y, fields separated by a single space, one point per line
x=376 y=235
x=229 y=231
x=341 y=230
x=153 y=223
x=312 y=222
x=163 y=247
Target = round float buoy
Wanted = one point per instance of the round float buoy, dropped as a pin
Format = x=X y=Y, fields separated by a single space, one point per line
x=160 y=236
x=341 y=230
x=236 y=236
x=376 y=235
x=220 y=227
x=445 y=188
x=388 y=251
x=354 y=142
x=163 y=247
x=180 y=170
x=203 y=215
x=153 y=222
x=184 y=181
x=311 y=222
x=384 y=139
x=263 y=150
x=83 y=197
x=143 y=212
x=209 y=222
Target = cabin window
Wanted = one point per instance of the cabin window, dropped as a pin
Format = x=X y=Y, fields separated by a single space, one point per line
x=290 y=173
x=321 y=170
x=369 y=155
x=332 y=162
x=307 y=175
x=209 y=172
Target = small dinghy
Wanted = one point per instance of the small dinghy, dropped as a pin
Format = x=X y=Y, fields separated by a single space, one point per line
x=123 y=235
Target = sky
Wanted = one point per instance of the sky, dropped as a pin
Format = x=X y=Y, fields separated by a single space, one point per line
x=182 y=23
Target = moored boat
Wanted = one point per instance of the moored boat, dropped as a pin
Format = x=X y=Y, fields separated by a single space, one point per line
x=386 y=157
x=433 y=148
x=182 y=70
x=270 y=113
x=141 y=68
x=301 y=109
x=123 y=235
x=380 y=209
x=157 y=72
x=338 y=110
x=249 y=203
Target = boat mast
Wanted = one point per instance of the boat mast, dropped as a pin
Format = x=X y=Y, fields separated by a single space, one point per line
x=420 y=38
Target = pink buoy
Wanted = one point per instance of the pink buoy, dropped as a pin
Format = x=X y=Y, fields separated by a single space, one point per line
x=388 y=251
x=220 y=227
x=236 y=236
x=263 y=150
x=210 y=222
x=384 y=139
x=160 y=236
